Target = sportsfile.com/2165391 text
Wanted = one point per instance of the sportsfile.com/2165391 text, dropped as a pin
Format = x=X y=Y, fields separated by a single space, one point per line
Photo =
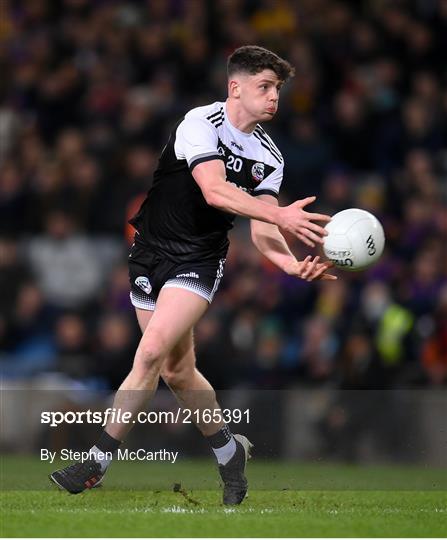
x=116 y=415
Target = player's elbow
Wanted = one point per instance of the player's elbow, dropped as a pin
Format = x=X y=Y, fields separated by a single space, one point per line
x=255 y=233
x=257 y=241
x=262 y=234
x=212 y=197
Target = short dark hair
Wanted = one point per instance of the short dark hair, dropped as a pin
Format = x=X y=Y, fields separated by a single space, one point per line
x=253 y=59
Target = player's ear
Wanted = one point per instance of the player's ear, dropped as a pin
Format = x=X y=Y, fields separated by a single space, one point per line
x=234 y=88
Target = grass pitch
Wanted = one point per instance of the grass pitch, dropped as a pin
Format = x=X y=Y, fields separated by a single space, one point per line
x=285 y=500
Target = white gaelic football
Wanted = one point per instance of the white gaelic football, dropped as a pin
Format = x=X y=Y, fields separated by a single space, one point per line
x=355 y=240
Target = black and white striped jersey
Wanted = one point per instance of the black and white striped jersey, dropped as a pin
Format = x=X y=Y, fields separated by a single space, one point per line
x=175 y=219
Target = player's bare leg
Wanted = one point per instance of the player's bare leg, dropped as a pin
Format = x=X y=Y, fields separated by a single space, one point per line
x=195 y=393
x=181 y=375
x=176 y=312
x=166 y=347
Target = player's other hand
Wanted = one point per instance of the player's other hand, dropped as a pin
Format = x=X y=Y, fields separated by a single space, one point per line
x=295 y=220
x=310 y=269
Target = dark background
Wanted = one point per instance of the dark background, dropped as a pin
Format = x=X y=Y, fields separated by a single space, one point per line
x=88 y=93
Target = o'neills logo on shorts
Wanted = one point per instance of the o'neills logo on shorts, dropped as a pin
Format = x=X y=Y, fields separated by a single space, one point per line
x=257 y=172
x=143 y=283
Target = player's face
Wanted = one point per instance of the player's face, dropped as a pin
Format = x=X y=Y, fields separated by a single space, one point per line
x=259 y=94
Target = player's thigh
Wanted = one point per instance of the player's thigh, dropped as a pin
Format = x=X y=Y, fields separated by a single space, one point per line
x=176 y=312
x=143 y=318
x=181 y=358
x=183 y=350
x=181 y=361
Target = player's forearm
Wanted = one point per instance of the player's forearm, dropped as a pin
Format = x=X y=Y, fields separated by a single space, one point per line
x=272 y=244
x=229 y=198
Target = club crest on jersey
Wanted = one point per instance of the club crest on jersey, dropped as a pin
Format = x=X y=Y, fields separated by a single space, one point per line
x=143 y=283
x=257 y=172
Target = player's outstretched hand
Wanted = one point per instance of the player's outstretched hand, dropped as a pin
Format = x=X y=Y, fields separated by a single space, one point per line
x=311 y=269
x=297 y=221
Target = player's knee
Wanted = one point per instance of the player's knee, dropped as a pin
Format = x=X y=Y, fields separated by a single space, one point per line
x=149 y=358
x=178 y=370
x=178 y=376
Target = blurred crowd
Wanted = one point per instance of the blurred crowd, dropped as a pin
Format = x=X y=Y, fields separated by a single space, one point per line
x=89 y=90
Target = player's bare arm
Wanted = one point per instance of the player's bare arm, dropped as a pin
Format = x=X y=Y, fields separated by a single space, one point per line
x=211 y=178
x=272 y=244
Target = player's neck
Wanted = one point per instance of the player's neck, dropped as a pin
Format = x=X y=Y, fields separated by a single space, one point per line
x=239 y=118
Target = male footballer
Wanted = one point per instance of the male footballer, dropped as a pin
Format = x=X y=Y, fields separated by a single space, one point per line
x=218 y=163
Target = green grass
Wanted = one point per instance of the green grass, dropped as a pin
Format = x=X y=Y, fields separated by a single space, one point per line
x=285 y=499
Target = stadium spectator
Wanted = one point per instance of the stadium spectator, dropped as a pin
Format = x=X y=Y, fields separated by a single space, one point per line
x=65 y=263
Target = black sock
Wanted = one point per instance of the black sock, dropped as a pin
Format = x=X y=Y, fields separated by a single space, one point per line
x=221 y=438
x=107 y=443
